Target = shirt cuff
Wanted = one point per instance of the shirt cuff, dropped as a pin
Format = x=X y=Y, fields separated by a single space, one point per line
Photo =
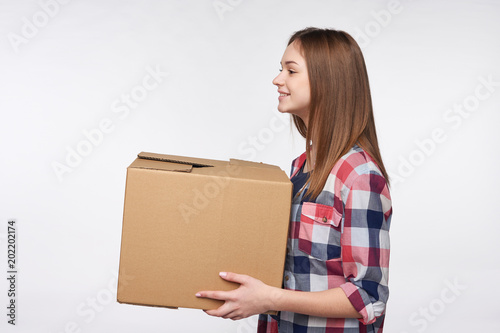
x=361 y=302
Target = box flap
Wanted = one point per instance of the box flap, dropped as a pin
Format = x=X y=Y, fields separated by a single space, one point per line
x=234 y=161
x=195 y=162
x=160 y=165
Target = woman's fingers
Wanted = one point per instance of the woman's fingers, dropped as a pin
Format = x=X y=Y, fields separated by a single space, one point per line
x=218 y=295
x=233 y=277
x=224 y=295
x=239 y=303
x=225 y=311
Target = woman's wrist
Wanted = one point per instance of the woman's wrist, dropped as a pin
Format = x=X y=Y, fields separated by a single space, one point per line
x=273 y=300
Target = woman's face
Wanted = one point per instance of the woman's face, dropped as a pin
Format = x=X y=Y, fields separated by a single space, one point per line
x=293 y=83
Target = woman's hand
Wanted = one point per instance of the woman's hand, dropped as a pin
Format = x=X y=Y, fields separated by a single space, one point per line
x=250 y=298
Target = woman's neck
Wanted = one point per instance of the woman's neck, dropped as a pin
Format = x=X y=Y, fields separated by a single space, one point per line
x=309 y=164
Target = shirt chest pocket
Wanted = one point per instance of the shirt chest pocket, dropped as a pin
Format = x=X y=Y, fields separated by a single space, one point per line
x=319 y=231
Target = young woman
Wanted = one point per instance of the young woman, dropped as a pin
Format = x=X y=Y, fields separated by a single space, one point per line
x=336 y=268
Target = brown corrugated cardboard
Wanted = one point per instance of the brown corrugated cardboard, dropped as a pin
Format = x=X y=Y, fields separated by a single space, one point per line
x=187 y=219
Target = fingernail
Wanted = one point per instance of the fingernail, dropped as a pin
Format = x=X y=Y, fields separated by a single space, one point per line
x=198 y=295
x=223 y=274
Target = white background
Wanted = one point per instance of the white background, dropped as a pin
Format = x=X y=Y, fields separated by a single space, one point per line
x=70 y=70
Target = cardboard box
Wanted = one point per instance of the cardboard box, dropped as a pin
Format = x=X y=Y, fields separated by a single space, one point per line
x=187 y=219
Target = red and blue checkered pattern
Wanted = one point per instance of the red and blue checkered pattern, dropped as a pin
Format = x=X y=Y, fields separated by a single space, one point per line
x=339 y=240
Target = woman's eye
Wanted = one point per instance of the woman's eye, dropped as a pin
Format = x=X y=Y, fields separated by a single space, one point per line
x=289 y=71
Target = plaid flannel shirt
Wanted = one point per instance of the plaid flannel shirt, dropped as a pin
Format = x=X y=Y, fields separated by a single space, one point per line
x=341 y=239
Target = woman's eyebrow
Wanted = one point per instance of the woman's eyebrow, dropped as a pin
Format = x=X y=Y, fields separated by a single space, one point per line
x=290 y=62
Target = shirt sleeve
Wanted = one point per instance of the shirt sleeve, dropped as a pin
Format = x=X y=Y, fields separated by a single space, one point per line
x=365 y=245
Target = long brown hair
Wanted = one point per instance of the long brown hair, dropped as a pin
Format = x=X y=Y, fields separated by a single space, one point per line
x=340 y=113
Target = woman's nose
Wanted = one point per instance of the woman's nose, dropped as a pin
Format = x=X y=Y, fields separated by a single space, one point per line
x=278 y=81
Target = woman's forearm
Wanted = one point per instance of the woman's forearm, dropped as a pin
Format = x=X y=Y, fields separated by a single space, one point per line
x=332 y=303
x=254 y=297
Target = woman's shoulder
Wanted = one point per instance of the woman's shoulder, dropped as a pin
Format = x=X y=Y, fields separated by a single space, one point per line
x=355 y=163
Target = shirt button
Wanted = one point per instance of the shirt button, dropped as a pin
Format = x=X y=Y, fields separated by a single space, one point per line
x=324 y=219
x=287 y=278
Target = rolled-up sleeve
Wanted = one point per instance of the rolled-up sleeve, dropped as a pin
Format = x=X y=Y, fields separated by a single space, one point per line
x=365 y=245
